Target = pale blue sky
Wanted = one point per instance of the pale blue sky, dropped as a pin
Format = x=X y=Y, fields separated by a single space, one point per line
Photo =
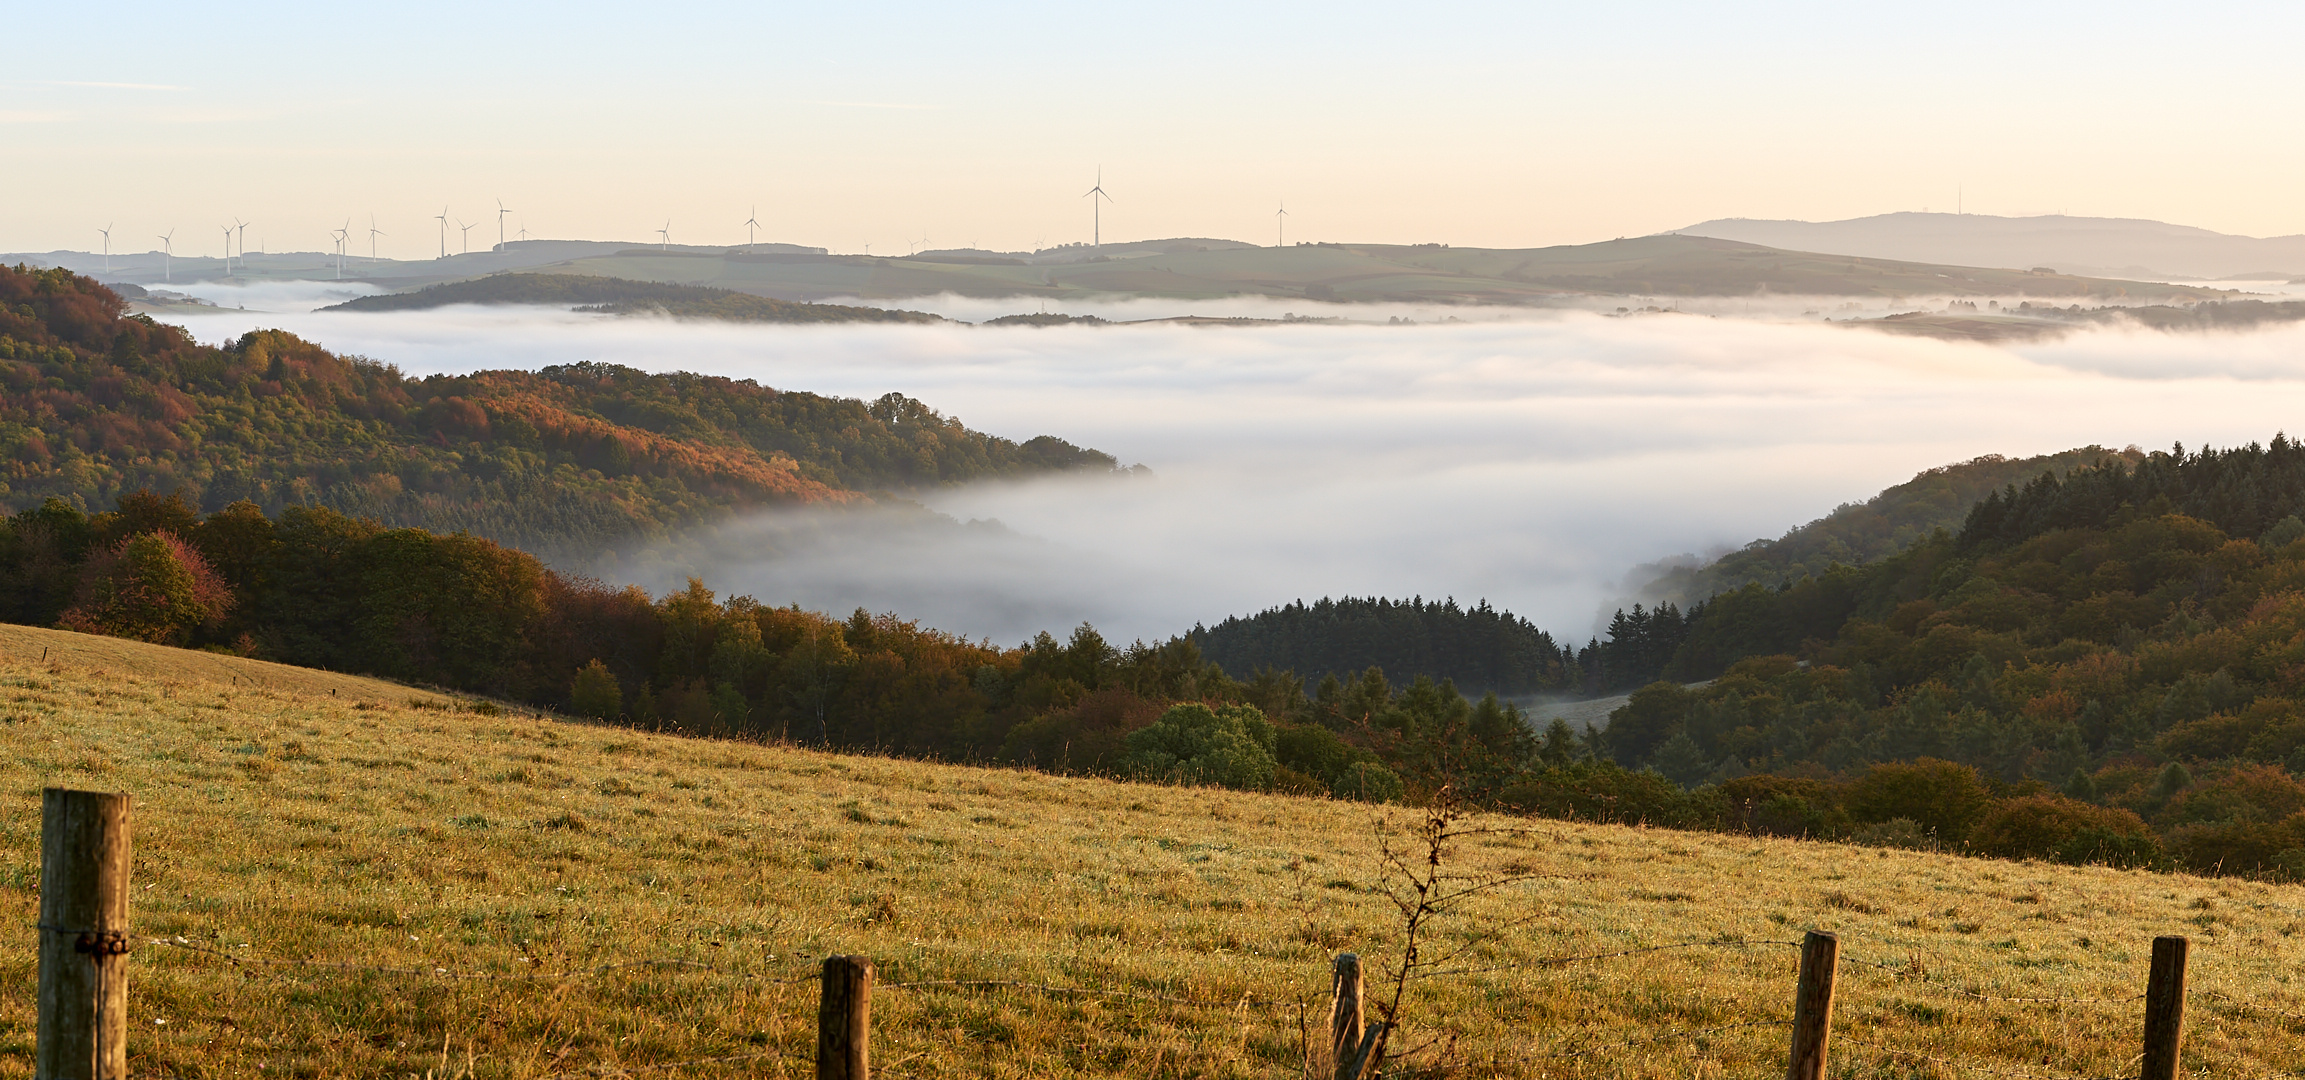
x=882 y=124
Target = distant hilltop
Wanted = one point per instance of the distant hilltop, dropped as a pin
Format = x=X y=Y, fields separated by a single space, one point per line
x=154 y=268
x=2090 y=246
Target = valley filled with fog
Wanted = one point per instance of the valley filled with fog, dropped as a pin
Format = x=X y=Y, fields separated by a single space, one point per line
x=1531 y=459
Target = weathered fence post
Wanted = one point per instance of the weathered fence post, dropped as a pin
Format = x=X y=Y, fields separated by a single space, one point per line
x=1346 y=1018
x=83 y=1026
x=844 y=1020
x=2165 y=1008
x=1813 y=1006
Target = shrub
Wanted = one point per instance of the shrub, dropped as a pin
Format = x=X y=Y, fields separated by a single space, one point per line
x=596 y=693
x=2064 y=830
x=2240 y=847
x=150 y=587
x=1604 y=791
x=1784 y=806
x=1940 y=796
x=1090 y=736
x=1368 y=781
x=1193 y=744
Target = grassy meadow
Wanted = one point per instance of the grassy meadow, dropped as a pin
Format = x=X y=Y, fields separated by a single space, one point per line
x=358 y=879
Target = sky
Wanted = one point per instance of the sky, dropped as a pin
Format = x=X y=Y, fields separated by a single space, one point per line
x=895 y=124
x=1535 y=461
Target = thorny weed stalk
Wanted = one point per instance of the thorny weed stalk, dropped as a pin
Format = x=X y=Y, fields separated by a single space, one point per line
x=1418 y=882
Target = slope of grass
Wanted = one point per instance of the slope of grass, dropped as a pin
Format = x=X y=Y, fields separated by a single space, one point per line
x=524 y=897
x=116 y=657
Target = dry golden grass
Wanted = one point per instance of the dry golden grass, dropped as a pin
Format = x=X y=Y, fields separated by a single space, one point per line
x=502 y=866
x=141 y=660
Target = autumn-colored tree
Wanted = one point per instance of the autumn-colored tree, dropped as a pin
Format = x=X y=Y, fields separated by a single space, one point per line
x=595 y=693
x=150 y=587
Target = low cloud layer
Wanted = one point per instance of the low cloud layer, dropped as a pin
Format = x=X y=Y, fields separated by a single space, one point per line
x=1532 y=461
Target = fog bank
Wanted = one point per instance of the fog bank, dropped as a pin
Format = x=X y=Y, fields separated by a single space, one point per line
x=1531 y=462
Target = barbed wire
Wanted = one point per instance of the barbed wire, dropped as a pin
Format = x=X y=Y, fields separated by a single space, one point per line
x=987 y=984
x=1980 y=1070
x=2229 y=1001
x=629 y=1070
x=437 y=972
x=1688 y=1034
x=1563 y=961
x=1905 y=973
x=693 y=965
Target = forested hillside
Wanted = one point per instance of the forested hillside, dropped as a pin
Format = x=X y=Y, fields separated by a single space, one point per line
x=617 y=296
x=1859 y=533
x=581 y=457
x=2133 y=636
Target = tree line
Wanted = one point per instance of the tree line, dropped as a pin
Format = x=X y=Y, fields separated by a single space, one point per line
x=1480 y=648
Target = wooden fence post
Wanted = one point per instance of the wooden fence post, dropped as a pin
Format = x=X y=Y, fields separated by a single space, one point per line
x=1813 y=1006
x=1346 y=1018
x=844 y=1020
x=83 y=1028
x=2165 y=1008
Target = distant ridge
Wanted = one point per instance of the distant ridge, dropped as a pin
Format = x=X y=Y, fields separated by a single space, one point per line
x=2093 y=246
x=616 y=296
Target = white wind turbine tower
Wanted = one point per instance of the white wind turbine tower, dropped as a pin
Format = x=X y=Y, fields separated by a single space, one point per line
x=168 y=256
x=665 y=235
x=1097 y=213
x=750 y=224
x=343 y=236
x=241 y=227
x=107 y=231
x=500 y=212
x=524 y=232
x=373 y=233
x=227 y=249
x=1282 y=217
x=467 y=235
x=443 y=217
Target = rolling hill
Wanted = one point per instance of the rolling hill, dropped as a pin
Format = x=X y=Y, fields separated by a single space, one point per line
x=1651 y=266
x=476 y=892
x=1662 y=266
x=2113 y=247
x=584 y=457
x=616 y=296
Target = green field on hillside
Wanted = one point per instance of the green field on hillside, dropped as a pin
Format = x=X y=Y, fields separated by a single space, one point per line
x=352 y=883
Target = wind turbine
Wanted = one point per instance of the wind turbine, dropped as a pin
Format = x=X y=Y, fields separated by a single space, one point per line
x=467 y=235
x=1282 y=217
x=107 y=231
x=227 y=249
x=443 y=216
x=373 y=233
x=524 y=232
x=665 y=234
x=242 y=228
x=168 y=256
x=750 y=224
x=343 y=236
x=1097 y=211
x=500 y=212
